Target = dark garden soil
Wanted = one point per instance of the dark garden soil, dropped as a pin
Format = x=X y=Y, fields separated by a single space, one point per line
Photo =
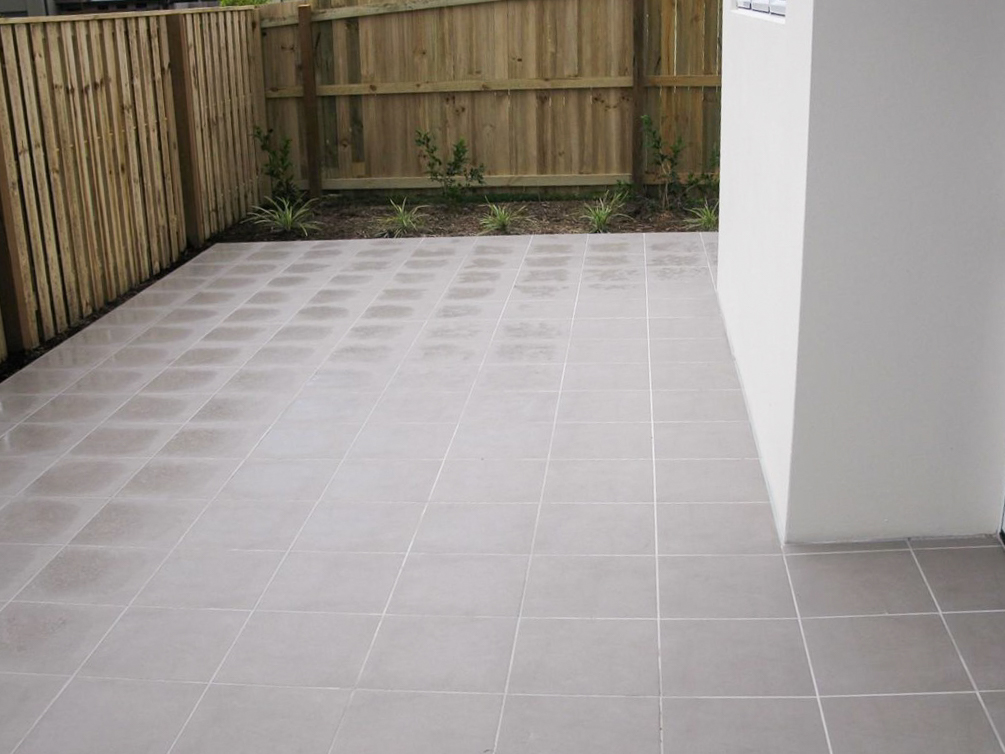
x=339 y=219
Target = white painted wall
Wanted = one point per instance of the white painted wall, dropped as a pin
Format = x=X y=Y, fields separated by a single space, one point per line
x=765 y=122
x=897 y=270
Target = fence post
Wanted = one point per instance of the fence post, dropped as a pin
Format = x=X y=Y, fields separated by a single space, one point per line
x=311 y=130
x=184 y=117
x=638 y=91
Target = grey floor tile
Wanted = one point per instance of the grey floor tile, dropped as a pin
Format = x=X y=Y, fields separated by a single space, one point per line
x=780 y=726
x=704 y=440
x=717 y=529
x=864 y=583
x=480 y=528
x=146 y=408
x=23 y=698
x=687 y=327
x=725 y=586
x=910 y=725
x=591 y=587
x=940 y=543
x=113 y=716
x=605 y=406
x=472 y=585
x=718 y=376
x=93 y=575
x=593 y=657
x=699 y=406
x=402 y=441
x=300 y=649
x=176 y=478
x=125 y=440
x=966 y=579
x=578 y=725
x=503 y=439
x=734 y=658
x=281 y=480
x=619 y=481
x=333 y=582
x=995 y=703
x=19 y=563
x=606 y=350
x=206 y=441
x=607 y=441
x=490 y=481
x=606 y=377
x=248 y=525
x=704 y=350
x=519 y=377
x=41 y=439
x=879 y=655
x=34 y=520
x=38 y=638
x=381 y=481
x=364 y=527
x=710 y=482
x=440 y=654
x=490 y=407
x=84 y=477
x=415 y=406
x=979 y=638
x=410 y=722
x=159 y=644
x=140 y=523
x=219 y=579
x=595 y=529
x=262 y=720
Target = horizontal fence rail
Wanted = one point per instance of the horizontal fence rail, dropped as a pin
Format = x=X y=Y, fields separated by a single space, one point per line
x=94 y=192
x=545 y=92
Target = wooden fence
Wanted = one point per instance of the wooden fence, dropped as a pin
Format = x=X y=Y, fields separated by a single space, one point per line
x=546 y=92
x=122 y=139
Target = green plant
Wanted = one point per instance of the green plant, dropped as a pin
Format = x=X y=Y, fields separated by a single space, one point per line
x=704 y=217
x=667 y=160
x=280 y=214
x=230 y=3
x=600 y=213
x=278 y=166
x=456 y=174
x=402 y=221
x=498 y=220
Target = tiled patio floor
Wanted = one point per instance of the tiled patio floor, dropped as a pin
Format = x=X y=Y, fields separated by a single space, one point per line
x=448 y=497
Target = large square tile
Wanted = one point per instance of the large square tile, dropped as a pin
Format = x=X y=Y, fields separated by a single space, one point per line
x=165 y=644
x=22 y=699
x=595 y=529
x=586 y=657
x=884 y=655
x=620 y=481
x=114 y=717
x=140 y=523
x=440 y=654
x=591 y=587
x=490 y=481
x=733 y=658
x=863 y=583
x=682 y=440
x=222 y=579
x=717 y=726
x=19 y=563
x=472 y=585
x=333 y=582
x=609 y=440
x=381 y=481
x=720 y=481
x=717 y=529
x=37 y=638
x=484 y=528
x=300 y=649
x=979 y=638
x=248 y=525
x=966 y=579
x=279 y=480
x=579 y=725
x=725 y=586
x=909 y=725
x=93 y=575
x=35 y=520
x=362 y=527
x=380 y=722
x=263 y=720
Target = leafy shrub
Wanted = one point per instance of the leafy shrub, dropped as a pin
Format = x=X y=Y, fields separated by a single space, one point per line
x=456 y=174
x=667 y=160
x=600 y=213
x=232 y=3
x=402 y=222
x=279 y=167
x=282 y=215
x=704 y=217
x=498 y=220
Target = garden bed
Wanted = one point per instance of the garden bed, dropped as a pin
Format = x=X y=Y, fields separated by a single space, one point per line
x=337 y=218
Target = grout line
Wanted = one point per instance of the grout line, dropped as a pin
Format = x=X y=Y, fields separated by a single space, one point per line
x=809 y=658
x=143 y=586
x=656 y=524
x=708 y=262
x=422 y=515
x=956 y=647
x=537 y=518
